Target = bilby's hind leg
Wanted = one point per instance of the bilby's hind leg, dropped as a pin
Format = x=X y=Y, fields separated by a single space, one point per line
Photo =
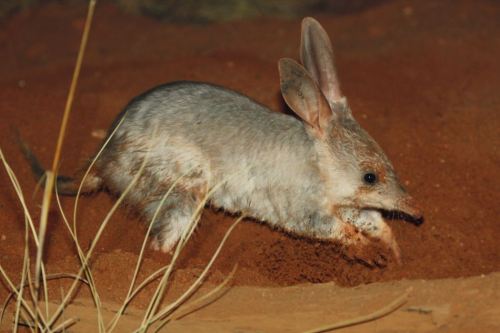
x=174 y=217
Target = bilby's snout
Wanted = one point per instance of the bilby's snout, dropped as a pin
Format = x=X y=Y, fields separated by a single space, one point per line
x=397 y=215
x=410 y=207
x=407 y=210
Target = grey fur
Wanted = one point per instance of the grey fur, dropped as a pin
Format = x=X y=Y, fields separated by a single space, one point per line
x=226 y=132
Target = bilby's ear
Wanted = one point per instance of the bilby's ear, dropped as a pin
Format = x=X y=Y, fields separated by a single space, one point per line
x=303 y=95
x=316 y=54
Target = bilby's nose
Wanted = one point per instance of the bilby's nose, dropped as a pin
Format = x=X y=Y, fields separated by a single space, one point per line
x=410 y=211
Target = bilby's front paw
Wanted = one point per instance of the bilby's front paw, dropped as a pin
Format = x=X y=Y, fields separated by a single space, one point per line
x=162 y=246
x=375 y=254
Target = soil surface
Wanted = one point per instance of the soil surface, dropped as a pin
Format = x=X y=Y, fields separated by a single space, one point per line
x=433 y=306
x=421 y=77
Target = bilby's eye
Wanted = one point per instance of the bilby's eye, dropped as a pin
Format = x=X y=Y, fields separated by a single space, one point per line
x=370 y=178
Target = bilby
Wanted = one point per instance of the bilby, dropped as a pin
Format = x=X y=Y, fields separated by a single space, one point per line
x=317 y=175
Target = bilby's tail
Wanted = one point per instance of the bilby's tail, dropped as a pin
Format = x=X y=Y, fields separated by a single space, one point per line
x=65 y=185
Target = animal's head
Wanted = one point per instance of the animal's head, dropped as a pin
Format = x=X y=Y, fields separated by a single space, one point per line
x=358 y=174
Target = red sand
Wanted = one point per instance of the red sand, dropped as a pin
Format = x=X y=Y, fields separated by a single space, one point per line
x=421 y=77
